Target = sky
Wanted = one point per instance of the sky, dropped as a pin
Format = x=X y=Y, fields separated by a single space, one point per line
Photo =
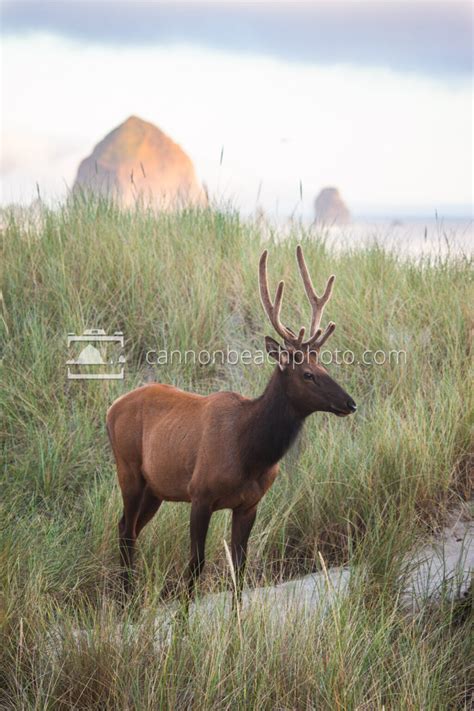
x=271 y=100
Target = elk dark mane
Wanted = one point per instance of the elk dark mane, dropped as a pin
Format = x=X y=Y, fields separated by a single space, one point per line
x=272 y=427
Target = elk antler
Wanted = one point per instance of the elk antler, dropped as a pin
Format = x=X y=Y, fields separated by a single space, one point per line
x=315 y=340
x=273 y=309
x=317 y=304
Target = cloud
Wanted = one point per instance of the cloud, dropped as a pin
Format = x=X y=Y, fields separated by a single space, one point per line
x=385 y=139
x=424 y=36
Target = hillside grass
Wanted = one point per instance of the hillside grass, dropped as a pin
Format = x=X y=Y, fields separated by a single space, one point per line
x=357 y=490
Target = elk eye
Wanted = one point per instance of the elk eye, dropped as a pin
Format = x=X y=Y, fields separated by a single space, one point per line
x=308 y=375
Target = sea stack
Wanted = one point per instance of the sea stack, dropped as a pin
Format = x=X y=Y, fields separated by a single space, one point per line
x=330 y=208
x=138 y=163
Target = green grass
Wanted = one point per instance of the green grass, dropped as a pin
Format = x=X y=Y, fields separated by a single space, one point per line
x=359 y=490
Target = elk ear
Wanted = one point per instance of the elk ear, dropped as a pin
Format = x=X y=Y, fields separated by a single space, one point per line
x=276 y=352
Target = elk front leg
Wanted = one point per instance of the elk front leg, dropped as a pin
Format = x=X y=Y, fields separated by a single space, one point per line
x=200 y=517
x=242 y=524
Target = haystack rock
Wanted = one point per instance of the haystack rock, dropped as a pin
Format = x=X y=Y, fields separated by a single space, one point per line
x=138 y=162
x=330 y=208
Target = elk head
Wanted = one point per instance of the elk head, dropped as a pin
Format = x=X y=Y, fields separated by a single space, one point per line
x=307 y=383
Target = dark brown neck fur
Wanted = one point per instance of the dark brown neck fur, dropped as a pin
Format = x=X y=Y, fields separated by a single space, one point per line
x=272 y=426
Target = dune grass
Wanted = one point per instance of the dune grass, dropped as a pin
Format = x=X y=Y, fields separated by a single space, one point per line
x=358 y=489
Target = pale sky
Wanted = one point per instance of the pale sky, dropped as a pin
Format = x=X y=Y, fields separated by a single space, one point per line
x=394 y=133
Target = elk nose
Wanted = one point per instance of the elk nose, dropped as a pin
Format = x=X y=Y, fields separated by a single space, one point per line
x=351 y=406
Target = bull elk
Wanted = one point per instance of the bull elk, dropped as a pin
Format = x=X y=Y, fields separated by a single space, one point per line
x=220 y=451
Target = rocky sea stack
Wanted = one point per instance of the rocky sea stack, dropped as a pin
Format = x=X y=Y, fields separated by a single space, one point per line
x=330 y=208
x=137 y=162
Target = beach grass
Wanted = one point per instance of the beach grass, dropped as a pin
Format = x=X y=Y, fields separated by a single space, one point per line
x=359 y=491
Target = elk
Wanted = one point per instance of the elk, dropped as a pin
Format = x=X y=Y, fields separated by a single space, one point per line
x=220 y=451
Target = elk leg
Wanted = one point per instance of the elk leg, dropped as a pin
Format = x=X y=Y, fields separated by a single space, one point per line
x=242 y=523
x=200 y=517
x=132 y=485
x=148 y=507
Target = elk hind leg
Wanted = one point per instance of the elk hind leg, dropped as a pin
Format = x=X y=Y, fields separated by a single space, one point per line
x=132 y=485
x=148 y=507
x=200 y=516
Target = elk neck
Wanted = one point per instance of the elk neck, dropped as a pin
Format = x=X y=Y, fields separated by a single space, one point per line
x=272 y=426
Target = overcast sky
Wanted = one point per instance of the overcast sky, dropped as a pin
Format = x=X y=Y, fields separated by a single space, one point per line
x=374 y=97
